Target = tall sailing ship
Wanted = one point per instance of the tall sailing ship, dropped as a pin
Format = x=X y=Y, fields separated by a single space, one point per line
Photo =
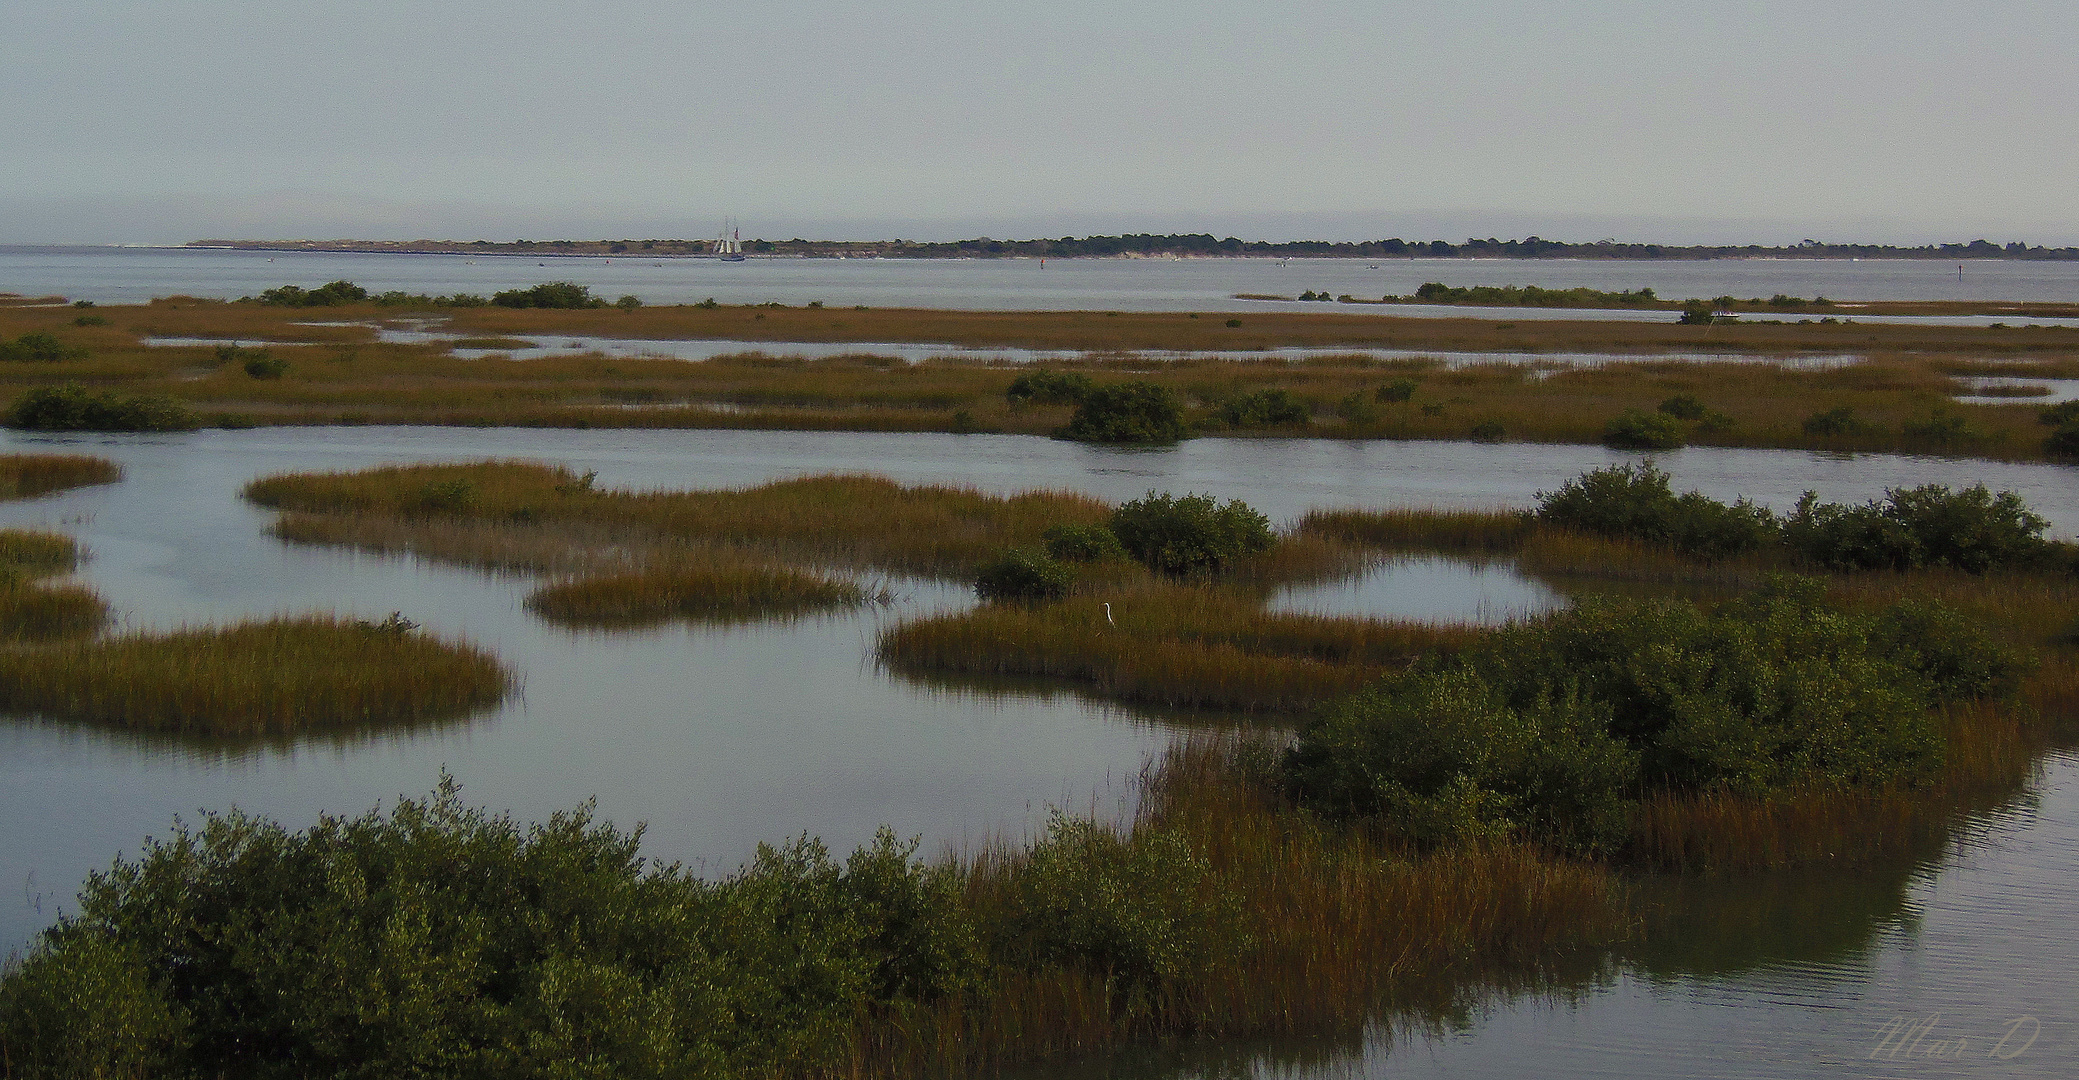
x=730 y=246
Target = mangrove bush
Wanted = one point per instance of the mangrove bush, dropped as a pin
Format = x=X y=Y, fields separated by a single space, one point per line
x=1191 y=533
x=71 y=408
x=1555 y=729
x=1130 y=412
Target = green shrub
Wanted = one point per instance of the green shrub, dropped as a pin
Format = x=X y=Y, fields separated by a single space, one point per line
x=1683 y=407
x=2062 y=414
x=1189 y=534
x=628 y=302
x=1488 y=431
x=1553 y=728
x=550 y=294
x=1941 y=428
x=2063 y=443
x=71 y=408
x=1019 y=574
x=1836 y=421
x=1442 y=758
x=441 y=941
x=1396 y=391
x=1048 y=388
x=1635 y=429
x=1264 y=408
x=331 y=294
x=1145 y=911
x=1083 y=543
x=90 y=320
x=1356 y=408
x=1131 y=412
x=264 y=366
x=40 y=348
x=1635 y=502
x=1697 y=313
x=1972 y=530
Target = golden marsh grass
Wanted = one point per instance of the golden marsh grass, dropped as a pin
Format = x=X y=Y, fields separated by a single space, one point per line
x=699 y=593
x=255 y=678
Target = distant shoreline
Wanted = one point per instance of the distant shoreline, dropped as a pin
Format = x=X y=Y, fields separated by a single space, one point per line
x=1188 y=246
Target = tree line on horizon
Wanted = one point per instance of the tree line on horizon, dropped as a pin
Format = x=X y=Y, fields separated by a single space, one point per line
x=1191 y=244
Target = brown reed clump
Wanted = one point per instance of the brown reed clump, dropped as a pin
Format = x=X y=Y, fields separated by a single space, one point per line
x=36 y=612
x=277 y=676
x=1467 y=531
x=1166 y=643
x=25 y=476
x=34 y=553
x=709 y=593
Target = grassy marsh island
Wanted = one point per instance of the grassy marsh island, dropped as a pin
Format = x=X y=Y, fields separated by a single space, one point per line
x=271 y=677
x=1762 y=385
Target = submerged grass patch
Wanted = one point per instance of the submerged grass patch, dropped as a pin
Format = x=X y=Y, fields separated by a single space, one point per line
x=277 y=676
x=698 y=593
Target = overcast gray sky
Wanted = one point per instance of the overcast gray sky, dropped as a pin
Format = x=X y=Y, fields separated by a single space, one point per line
x=1903 y=121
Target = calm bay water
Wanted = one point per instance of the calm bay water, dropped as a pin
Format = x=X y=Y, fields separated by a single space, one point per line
x=132 y=275
x=721 y=738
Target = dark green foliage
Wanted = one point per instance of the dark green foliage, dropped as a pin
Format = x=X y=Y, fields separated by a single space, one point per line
x=1233 y=324
x=90 y=320
x=1048 y=388
x=399 y=298
x=1635 y=502
x=1941 y=428
x=1697 y=313
x=1019 y=574
x=264 y=366
x=2063 y=443
x=1551 y=730
x=446 y=497
x=1683 y=407
x=1836 y=421
x=1488 y=431
x=1146 y=911
x=332 y=294
x=1190 y=534
x=1972 y=530
x=1441 y=757
x=1083 y=543
x=1131 y=412
x=71 y=408
x=1357 y=408
x=1436 y=292
x=2062 y=414
x=1395 y=391
x=629 y=302
x=549 y=294
x=41 y=348
x=442 y=941
x=1635 y=429
x=1264 y=408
